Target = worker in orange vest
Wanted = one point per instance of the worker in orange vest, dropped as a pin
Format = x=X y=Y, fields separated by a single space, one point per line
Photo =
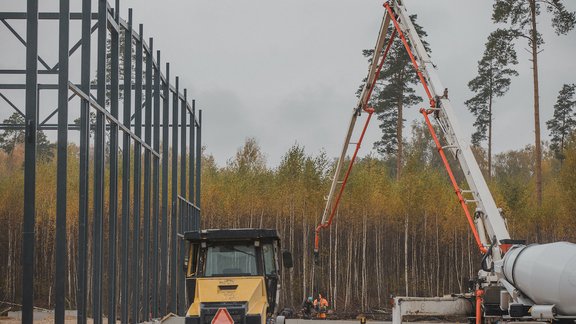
x=321 y=305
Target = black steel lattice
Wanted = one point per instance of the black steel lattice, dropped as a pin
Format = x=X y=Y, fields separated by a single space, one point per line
x=145 y=79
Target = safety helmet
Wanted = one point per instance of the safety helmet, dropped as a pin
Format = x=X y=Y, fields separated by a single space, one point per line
x=310 y=298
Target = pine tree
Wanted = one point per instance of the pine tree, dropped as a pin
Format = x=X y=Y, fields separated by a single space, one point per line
x=394 y=91
x=10 y=138
x=563 y=124
x=521 y=16
x=493 y=80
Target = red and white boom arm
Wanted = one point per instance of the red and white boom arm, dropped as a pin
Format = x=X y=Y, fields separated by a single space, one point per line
x=538 y=278
x=337 y=186
x=490 y=223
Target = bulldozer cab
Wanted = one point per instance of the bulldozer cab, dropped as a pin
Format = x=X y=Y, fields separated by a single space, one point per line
x=236 y=269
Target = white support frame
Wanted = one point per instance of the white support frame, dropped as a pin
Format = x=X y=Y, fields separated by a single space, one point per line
x=430 y=306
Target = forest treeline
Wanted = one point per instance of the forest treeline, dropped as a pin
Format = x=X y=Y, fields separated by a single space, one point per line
x=392 y=235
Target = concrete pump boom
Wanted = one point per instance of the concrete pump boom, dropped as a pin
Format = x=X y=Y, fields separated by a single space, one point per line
x=535 y=282
x=488 y=226
x=456 y=139
x=333 y=198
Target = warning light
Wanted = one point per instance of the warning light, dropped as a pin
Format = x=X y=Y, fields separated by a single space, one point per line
x=222 y=317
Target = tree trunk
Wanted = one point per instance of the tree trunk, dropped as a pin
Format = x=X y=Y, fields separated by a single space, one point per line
x=537 y=147
x=304 y=258
x=457 y=270
x=424 y=256
x=335 y=289
x=437 y=259
x=71 y=263
x=329 y=290
x=414 y=264
x=364 y=270
x=377 y=256
x=406 y=254
x=490 y=137
x=348 y=289
x=9 y=271
x=291 y=231
x=261 y=218
x=399 y=127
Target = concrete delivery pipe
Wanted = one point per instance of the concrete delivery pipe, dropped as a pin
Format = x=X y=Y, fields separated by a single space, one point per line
x=546 y=273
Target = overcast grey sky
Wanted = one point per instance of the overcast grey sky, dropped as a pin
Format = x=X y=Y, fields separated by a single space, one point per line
x=286 y=72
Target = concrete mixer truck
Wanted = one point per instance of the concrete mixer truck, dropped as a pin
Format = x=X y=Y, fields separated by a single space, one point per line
x=516 y=282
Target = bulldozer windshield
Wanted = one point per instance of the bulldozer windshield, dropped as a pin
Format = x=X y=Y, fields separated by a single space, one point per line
x=231 y=260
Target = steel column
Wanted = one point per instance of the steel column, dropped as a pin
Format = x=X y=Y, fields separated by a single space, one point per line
x=99 y=168
x=135 y=273
x=147 y=156
x=174 y=222
x=126 y=145
x=164 y=256
x=179 y=272
x=28 y=235
x=62 y=172
x=81 y=296
x=192 y=130
x=113 y=159
x=198 y=169
x=156 y=184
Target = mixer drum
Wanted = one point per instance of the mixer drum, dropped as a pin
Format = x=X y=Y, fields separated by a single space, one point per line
x=546 y=273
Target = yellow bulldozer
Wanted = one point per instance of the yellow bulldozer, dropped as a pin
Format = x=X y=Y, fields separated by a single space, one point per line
x=233 y=276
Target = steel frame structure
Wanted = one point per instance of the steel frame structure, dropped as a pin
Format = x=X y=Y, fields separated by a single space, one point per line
x=147 y=223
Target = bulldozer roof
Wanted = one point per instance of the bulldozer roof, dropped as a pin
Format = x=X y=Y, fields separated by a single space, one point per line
x=231 y=234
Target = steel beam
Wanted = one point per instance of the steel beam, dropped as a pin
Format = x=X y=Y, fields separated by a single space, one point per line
x=109 y=116
x=55 y=111
x=44 y=15
x=72 y=50
x=21 y=71
x=25 y=43
x=12 y=105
